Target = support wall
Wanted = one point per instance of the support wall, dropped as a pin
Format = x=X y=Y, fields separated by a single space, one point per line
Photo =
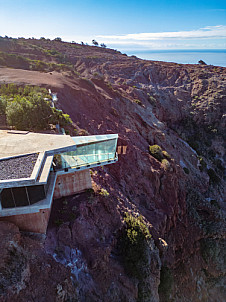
x=71 y=183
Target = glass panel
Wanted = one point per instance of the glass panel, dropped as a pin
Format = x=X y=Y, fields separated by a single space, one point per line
x=85 y=155
x=36 y=193
x=7 y=199
x=20 y=197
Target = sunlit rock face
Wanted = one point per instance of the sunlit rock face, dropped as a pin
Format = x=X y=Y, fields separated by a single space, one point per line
x=181 y=194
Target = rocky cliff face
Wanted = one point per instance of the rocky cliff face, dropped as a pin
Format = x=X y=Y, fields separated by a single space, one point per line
x=181 y=194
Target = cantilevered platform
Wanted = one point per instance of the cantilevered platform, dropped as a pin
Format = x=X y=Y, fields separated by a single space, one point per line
x=35 y=168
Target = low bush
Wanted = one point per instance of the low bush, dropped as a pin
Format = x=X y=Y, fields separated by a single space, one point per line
x=165 y=164
x=58 y=222
x=156 y=152
x=186 y=170
x=138 y=102
x=3 y=104
x=194 y=144
x=214 y=203
x=161 y=155
x=166 y=283
x=28 y=108
x=218 y=163
x=104 y=192
x=134 y=245
x=203 y=164
x=21 y=62
x=152 y=100
x=214 y=179
x=166 y=155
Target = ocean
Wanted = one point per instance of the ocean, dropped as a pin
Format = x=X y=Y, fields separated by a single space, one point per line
x=210 y=57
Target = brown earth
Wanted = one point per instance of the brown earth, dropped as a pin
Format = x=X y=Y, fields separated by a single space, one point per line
x=147 y=103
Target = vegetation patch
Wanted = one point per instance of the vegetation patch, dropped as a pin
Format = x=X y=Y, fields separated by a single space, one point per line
x=28 y=108
x=58 y=222
x=156 y=152
x=161 y=155
x=104 y=192
x=203 y=164
x=138 y=102
x=214 y=179
x=166 y=283
x=166 y=154
x=165 y=164
x=214 y=203
x=186 y=170
x=12 y=60
x=134 y=245
x=152 y=100
x=21 y=62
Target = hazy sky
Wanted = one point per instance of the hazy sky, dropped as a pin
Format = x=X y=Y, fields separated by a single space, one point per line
x=125 y=25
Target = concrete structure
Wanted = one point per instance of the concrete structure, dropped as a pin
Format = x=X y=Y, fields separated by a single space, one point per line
x=35 y=168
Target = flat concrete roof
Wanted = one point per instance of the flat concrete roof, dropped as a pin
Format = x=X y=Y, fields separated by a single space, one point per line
x=15 y=143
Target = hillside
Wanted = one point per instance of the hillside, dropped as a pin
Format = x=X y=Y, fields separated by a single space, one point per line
x=178 y=189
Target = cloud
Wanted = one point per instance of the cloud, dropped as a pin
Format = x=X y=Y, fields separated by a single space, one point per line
x=208 y=32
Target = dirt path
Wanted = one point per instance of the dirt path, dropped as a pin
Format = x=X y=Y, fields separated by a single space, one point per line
x=20 y=76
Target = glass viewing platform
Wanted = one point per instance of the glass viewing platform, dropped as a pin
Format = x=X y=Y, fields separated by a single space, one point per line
x=90 y=150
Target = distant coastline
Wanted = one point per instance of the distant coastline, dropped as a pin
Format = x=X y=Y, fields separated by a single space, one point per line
x=215 y=57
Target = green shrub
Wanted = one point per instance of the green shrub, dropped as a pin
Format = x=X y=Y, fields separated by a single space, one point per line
x=104 y=192
x=218 y=163
x=39 y=65
x=165 y=164
x=203 y=164
x=152 y=100
x=194 y=144
x=214 y=179
x=186 y=170
x=166 y=283
x=58 y=222
x=156 y=152
x=134 y=245
x=138 y=102
x=166 y=155
x=109 y=85
x=214 y=203
x=26 y=113
x=12 y=60
x=28 y=108
x=58 y=39
x=3 y=104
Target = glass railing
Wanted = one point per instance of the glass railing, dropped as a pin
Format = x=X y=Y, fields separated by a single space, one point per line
x=87 y=154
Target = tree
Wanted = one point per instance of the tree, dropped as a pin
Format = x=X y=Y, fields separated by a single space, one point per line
x=95 y=42
x=201 y=62
x=103 y=45
x=58 y=39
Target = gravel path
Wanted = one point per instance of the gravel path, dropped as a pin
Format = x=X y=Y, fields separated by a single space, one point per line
x=18 y=167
